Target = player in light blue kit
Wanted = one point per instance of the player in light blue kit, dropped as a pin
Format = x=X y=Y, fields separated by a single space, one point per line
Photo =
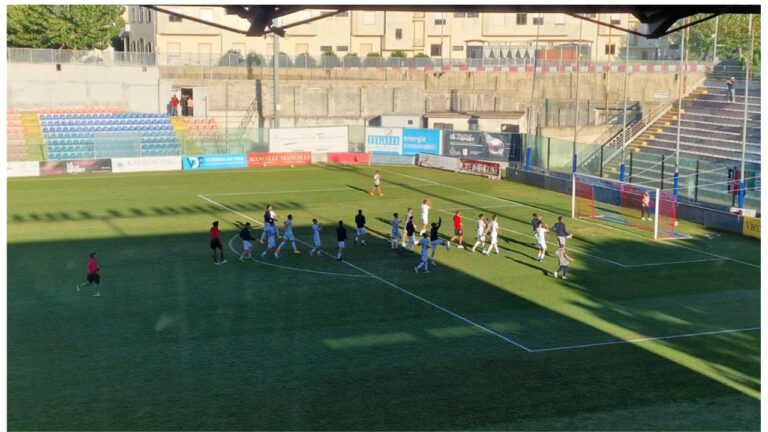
x=425 y=245
x=394 y=237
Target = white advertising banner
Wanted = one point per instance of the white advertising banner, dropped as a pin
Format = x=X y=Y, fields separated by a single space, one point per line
x=382 y=140
x=23 y=169
x=140 y=164
x=437 y=161
x=316 y=139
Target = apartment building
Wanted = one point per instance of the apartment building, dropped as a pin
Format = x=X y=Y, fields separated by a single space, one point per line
x=437 y=35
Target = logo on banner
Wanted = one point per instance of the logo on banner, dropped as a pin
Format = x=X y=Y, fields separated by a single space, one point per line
x=194 y=162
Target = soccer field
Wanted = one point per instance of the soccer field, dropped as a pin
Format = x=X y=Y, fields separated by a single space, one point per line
x=643 y=335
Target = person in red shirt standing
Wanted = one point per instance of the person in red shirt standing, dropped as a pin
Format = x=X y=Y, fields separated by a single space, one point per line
x=216 y=243
x=645 y=206
x=458 y=233
x=93 y=274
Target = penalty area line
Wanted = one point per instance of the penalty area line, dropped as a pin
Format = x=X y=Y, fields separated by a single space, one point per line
x=386 y=282
x=647 y=339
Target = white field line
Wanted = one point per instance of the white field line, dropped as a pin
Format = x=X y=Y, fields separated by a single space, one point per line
x=671 y=263
x=553 y=243
x=304 y=190
x=485 y=207
x=294 y=268
x=583 y=220
x=154 y=174
x=648 y=339
x=403 y=290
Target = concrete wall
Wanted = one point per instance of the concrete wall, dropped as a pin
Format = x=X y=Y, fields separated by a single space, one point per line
x=33 y=86
x=321 y=97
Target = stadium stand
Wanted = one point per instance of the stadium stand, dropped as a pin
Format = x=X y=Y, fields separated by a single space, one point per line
x=104 y=132
x=17 y=144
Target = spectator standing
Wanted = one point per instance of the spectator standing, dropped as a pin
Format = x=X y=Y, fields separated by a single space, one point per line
x=174 y=106
x=190 y=106
x=730 y=83
x=184 y=105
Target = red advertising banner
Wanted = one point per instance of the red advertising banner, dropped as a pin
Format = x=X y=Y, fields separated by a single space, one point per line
x=476 y=167
x=349 y=158
x=263 y=160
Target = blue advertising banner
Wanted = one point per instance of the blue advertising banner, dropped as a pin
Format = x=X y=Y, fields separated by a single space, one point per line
x=417 y=141
x=214 y=161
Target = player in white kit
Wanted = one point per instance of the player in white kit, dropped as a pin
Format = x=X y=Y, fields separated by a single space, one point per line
x=425 y=206
x=288 y=237
x=271 y=233
x=408 y=217
x=316 y=228
x=481 y=230
x=493 y=227
x=541 y=232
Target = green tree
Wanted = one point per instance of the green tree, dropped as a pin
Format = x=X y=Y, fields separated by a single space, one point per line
x=732 y=37
x=82 y=27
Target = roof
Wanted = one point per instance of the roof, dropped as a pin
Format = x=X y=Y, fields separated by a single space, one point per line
x=479 y=114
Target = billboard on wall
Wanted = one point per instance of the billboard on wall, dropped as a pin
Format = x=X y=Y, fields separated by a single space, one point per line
x=23 y=169
x=76 y=167
x=315 y=139
x=214 y=161
x=279 y=159
x=482 y=145
x=417 y=141
x=438 y=161
x=477 y=167
x=382 y=140
x=140 y=164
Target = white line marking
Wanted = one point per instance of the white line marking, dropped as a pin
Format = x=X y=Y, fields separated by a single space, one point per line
x=552 y=243
x=586 y=221
x=648 y=339
x=672 y=262
x=294 y=268
x=405 y=291
x=304 y=190
x=485 y=207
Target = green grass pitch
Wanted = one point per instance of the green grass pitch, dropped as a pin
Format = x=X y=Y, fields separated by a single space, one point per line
x=643 y=335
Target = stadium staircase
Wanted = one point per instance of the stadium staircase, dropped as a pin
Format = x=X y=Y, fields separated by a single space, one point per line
x=711 y=130
x=104 y=132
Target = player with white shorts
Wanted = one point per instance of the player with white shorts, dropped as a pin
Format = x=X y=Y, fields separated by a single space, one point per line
x=481 y=230
x=425 y=206
x=425 y=245
x=493 y=227
x=541 y=232
x=271 y=232
x=394 y=237
x=316 y=228
x=288 y=237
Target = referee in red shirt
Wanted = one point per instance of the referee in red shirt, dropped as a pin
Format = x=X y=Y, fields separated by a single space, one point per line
x=216 y=243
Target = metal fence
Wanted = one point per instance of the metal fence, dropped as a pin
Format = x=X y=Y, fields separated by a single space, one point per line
x=303 y=61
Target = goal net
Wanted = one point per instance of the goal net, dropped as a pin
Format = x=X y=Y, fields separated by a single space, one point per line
x=612 y=201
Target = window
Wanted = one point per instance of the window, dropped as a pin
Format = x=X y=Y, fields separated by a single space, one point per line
x=132 y=19
x=174 y=18
x=342 y=48
x=343 y=14
x=538 y=20
x=369 y=18
x=440 y=18
x=140 y=14
x=615 y=19
x=459 y=14
x=644 y=55
x=149 y=16
x=206 y=14
x=458 y=48
x=398 y=34
x=560 y=19
x=436 y=50
x=473 y=14
x=443 y=125
x=589 y=15
x=498 y=19
x=522 y=19
x=149 y=47
x=610 y=49
x=326 y=48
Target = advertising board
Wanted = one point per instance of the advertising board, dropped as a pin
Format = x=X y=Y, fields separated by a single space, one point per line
x=482 y=168
x=315 y=139
x=76 y=167
x=380 y=140
x=141 y=164
x=214 y=161
x=279 y=159
x=482 y=145
x=417 y=141
x=23 y=169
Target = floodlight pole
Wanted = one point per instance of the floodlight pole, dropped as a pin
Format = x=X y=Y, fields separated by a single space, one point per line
x=626 y=84
x=578 y=69
x=746 y=109
x=714 y=53
x=528 y=150
x=676 y=180
x=275 y=77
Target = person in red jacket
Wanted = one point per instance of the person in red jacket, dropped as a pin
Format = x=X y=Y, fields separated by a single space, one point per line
x=93 y=274
x=216 y=243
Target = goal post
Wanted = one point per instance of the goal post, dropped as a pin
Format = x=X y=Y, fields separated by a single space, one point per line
x=612 y=201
